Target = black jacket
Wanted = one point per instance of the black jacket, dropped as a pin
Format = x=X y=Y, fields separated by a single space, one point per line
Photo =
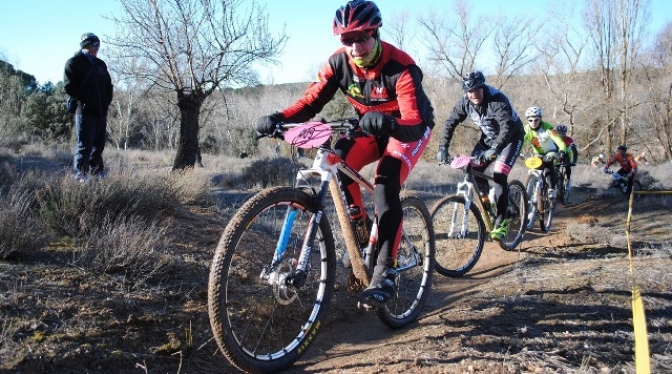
x=497 y=119
x=89 y=82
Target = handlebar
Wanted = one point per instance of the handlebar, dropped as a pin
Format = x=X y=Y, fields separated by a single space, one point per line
x=350 y=125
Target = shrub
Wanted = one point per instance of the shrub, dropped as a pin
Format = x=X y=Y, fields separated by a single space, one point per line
x=21 y=231
x=75 y=209
x=270 y=172
x=130 y=246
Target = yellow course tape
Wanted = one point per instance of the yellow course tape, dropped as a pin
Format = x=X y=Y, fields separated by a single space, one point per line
x=642 y=362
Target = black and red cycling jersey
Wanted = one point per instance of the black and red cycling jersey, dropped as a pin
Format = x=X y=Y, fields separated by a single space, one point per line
x=393 y=87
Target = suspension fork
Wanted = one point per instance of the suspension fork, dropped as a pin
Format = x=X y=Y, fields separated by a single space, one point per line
x=298 y=278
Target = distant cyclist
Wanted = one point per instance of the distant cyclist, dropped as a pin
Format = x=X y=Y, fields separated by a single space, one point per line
x=628 y=165
x=572 y=153
x=543 y=140
x=500 y=142
x=641 y=159
x=597 y=161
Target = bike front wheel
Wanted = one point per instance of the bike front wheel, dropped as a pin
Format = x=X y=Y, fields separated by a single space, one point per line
x=545 y=206
x=264 y=317
x=516 y=216
x=415 y=265
x=460 y=236
x=531 y=193
x=566 y=193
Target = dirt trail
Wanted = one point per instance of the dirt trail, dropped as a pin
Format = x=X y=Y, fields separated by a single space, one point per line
x=363 y=345
x=551 y=306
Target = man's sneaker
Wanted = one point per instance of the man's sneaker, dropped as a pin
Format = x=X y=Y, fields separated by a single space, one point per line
x=500 y=232
x=381 y=290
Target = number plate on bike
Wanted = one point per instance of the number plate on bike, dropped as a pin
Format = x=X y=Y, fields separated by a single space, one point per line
x=308 y=135
x=460 y=162
x=533 y=162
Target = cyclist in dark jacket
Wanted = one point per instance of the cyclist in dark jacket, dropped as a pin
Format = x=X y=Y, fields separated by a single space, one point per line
x=501 y=139
x=87 y=80
x=384 y=85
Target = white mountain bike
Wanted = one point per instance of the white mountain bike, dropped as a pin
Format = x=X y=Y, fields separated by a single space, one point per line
x=272 y=276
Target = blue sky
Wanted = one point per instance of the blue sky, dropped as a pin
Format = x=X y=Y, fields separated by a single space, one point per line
x=38 y=36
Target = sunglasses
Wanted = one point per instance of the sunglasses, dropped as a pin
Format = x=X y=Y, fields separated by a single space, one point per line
x=360 y=38
x=95 y=44
x=533 y=120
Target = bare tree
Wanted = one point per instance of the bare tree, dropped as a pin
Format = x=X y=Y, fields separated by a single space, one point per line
x=615 y=28
x=513 y=44
x=455 y=48
x=397 y=27
x=658 y=75
x=194 y=47
x=562 y=51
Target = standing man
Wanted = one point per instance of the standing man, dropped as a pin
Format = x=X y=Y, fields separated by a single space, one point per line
x=500 y=142
x=87 y=80
x=384 y=86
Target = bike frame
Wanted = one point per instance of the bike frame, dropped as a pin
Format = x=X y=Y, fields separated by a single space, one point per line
x=466 y=189
x=541 y=180
x=326 y=166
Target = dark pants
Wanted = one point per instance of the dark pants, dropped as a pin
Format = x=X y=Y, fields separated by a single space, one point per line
x=624 y=173
x=503 y=164
x=90 y=134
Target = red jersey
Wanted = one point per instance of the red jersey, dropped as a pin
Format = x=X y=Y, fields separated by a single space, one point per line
x=393 y=86
x=627 y=163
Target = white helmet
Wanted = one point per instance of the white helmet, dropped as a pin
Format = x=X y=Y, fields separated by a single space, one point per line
x=601 y=156
x=533 y=111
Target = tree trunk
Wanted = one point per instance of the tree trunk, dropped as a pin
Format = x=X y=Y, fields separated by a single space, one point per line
x=188 y=151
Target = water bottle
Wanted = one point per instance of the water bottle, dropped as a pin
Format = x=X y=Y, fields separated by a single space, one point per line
x=358 y=224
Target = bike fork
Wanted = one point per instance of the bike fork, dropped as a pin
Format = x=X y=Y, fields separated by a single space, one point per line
x=461 y=226
x=298 y=277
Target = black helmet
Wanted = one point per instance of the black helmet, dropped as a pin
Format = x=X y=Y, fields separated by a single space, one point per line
x=357 y=15
x=622 y=148
x=473 y=81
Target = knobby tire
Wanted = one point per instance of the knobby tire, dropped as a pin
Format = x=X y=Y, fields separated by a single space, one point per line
x=259 y=327
x=457 y=250
x=516 y=214
x=412 y=284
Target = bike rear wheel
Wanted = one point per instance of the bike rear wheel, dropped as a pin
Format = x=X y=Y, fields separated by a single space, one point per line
x=531 y=191
x=636 y=186
x=415 y=266
x=516 y=215
x=460 y=236
x=260 y=320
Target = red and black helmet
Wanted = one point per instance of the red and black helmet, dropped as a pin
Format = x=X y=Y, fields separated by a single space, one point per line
x=357 y=15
